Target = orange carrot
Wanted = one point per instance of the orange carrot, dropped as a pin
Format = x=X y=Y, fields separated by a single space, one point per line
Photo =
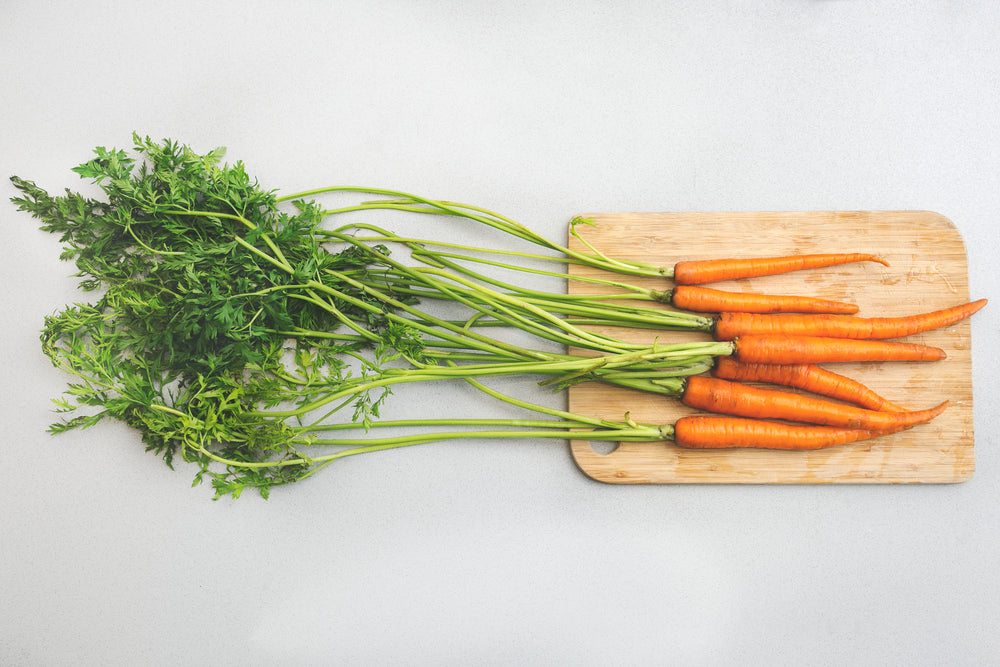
x=808 y=377
x=730 y=325
x=818 y=350
x=706 y=300
x=699 y=272
x=740 y=400
x=700 y=432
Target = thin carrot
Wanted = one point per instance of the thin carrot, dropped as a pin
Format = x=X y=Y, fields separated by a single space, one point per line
x=741 y=400
x=731 y=325
x=706 y=300
x=703 y=432
x=699 y=272
x=808 y=377
x=818 y=350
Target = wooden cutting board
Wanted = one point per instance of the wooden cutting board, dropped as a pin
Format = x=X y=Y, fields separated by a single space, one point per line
x=927 y=271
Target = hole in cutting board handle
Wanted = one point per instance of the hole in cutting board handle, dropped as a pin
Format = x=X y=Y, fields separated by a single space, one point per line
x=603 y=447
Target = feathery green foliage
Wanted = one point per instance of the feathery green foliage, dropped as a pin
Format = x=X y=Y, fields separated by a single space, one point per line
x=229 y=331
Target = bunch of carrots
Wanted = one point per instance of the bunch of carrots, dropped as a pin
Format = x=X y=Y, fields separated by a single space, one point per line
x=227 y=326
x=772 y=337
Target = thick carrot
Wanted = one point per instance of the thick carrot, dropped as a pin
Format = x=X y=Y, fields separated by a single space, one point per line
x=808 y=377
x=741 y=400
x=701 y=432
x=706 y=300
x=699 y=272
x=818 y=350
x=730 y=325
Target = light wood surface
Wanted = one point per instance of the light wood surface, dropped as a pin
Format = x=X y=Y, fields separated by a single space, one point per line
x=927 y=272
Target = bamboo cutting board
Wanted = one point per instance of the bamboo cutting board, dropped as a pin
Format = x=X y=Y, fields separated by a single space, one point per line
x=927 y=271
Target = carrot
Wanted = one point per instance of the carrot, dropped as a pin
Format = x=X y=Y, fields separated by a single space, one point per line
x=699 y=272
x=818 y=350
x=808 y=377
x=740 y=400
x=730 y=325
x=702 y=432
x=706 y=300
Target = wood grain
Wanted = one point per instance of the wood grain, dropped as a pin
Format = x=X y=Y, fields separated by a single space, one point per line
x=927 y=271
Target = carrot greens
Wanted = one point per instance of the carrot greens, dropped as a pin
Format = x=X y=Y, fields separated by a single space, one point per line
x=231 y=332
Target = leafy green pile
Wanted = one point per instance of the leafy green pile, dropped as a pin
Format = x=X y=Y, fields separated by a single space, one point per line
x=229 y=331
x=190 y=325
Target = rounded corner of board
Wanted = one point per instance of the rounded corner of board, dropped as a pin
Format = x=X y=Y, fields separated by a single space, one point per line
x=942 y=219
x=595 y=473
x=965 y=475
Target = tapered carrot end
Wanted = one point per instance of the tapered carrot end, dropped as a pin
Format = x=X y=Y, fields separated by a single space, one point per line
x=828 y=308
x=915 y=417
x=929 y=413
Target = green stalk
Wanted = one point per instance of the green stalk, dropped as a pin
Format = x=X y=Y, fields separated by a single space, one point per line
x=418 y=246
x=634 y=434
x=489 y=302
x=560 y=367
x=488 y=218
x=569 y=426
x=436 y=326
x=604 y=314
x=584 y=313
x=370 y=445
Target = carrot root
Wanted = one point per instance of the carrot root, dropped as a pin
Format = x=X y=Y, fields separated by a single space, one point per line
x=699 y=272
x=706 y=300
x=706 y=432
x=740 y=400
x=732 y=325
x=808 y=377
x=818 y=350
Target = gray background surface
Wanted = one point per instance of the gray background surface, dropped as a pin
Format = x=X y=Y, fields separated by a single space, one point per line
x=487 y=552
